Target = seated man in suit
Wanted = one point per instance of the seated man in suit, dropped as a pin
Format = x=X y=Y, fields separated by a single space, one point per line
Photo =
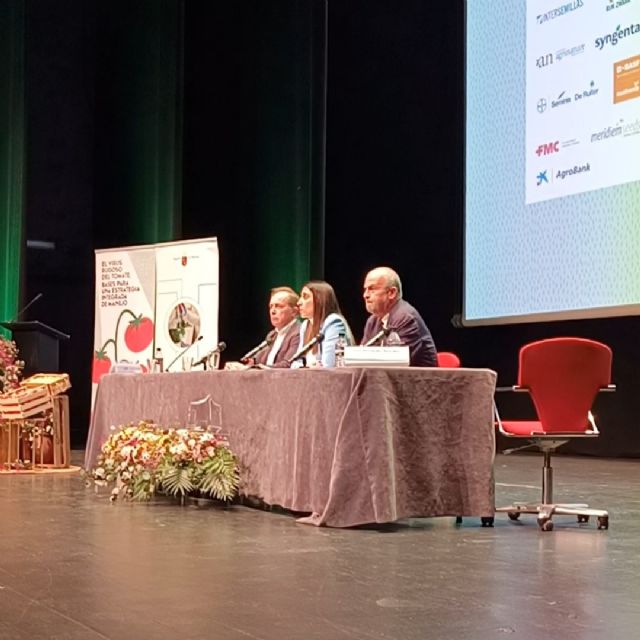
x=383 y=299
x=284 y=339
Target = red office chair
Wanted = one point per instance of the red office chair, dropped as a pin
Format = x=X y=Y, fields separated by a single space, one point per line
x=563 y=377
x=448 y=359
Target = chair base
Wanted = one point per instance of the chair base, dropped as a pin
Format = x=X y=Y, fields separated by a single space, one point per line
x=546 y=511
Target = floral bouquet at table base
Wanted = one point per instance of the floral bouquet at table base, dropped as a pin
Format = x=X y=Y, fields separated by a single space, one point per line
x=144 y=458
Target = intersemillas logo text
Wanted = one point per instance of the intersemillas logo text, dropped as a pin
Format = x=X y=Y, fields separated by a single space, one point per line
x=616 y=35
x=563 y=9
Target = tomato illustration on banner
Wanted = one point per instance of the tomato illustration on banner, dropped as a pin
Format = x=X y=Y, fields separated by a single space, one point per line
x=139 y=334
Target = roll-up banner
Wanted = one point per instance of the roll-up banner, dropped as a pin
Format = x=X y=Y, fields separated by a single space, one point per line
x=155 y=296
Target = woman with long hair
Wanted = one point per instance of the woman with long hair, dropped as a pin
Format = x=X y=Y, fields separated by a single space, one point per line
x=320 y=312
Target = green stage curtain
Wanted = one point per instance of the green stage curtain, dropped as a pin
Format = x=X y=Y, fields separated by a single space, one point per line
x=139 y=121
x=290 y=165
x=11 y=154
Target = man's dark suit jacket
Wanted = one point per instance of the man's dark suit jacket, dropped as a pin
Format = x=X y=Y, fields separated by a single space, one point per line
x=287 y=349
x=409 y=325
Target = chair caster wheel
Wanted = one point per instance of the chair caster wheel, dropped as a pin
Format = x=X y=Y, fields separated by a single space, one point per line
x=546 y=524
x=603 y=522
x=583 y=519
x=513 y=515
x=487 y=521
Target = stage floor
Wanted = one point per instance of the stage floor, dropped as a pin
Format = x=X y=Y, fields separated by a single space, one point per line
x=74 y=566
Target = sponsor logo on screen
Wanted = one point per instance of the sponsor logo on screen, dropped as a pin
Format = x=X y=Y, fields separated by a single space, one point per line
x=542 y=178
x=631 y=128
x=563 y=99
x=619 y=33
x=608 y=132
x=548 y=148
x=545 y=60
x=559 y=11
x=567 y=52
x=626 y=79
x=616 y=4
x=563 y=174
x=587 y=93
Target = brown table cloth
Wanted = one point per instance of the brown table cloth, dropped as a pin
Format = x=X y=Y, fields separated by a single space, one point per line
x=349 y=446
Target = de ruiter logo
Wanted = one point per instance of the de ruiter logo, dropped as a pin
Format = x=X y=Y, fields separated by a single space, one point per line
x=616 y=35
x=560 y=11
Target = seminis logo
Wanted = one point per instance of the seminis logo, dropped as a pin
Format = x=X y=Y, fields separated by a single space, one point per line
x=616 y=35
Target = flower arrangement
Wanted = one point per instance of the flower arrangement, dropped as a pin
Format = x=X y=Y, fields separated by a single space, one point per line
x=144 y=458
x=10 y=366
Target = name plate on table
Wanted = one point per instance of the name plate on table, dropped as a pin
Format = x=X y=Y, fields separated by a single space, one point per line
x=396 y=356
x=125 y=367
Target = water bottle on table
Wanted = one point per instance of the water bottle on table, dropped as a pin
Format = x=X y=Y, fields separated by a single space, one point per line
x=341 y=343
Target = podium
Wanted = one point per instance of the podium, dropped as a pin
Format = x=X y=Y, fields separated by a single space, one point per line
x=38 y=345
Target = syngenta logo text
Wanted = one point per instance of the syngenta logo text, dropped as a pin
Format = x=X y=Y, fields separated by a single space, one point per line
x=563 y=9
x=616 y=35
x=575 y=170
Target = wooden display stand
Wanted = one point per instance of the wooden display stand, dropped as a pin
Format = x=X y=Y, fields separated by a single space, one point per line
x=10 y=434
x=30 y=403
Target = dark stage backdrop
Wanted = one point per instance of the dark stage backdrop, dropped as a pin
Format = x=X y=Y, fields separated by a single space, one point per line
x=248 y=85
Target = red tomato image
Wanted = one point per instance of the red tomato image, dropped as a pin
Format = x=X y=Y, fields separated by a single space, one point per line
x=101 y=365
x=139 y=334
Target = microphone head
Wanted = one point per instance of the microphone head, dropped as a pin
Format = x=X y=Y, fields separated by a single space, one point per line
x=222 y=346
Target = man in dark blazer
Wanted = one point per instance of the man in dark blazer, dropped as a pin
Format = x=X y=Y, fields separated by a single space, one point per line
x=285 y=337
x=383 y=299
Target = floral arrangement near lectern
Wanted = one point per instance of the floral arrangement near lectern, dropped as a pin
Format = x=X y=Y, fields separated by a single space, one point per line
x=10 y=366
x=142 y=459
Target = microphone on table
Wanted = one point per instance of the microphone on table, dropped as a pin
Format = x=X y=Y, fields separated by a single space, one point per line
x=304 y=349
x=33 y=300
x=267 y=342
x=383 y=333
x=218 y=349
x=182 y=353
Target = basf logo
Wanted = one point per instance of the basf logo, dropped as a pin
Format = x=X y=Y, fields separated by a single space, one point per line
x=626 y=79
x=560 y=11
